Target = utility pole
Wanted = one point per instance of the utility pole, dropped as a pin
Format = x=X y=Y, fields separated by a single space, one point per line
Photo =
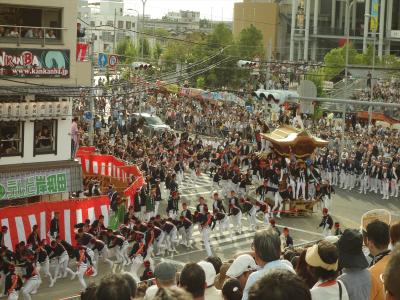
x=269 y=56
x=142 y=35
x=91 y=96
x=115 y=32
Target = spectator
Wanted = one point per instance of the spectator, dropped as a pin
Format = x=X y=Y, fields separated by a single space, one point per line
x=165 y=275
x=113 y=287
x=172 y=293
x=211 y=292
x=355 y=275
x=50 y=34
x=322 y=259
x=221 y=276
x=267 y=250
x=391 y=275
x=377 y=241
x=303 y=271
x=241 y=268
x=394 y=233
x=280 y=285
x=232 y=290
x=89 y=293
x=216 y=262
x=193 y=280
x=131 y=283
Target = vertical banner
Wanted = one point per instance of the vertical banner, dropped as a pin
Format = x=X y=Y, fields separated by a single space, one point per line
x=81 y=51
x=374 y=23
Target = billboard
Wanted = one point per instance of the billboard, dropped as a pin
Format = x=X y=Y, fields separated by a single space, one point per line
x=34 y=63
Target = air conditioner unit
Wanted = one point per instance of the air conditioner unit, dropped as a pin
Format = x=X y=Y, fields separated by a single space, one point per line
x=33 y=110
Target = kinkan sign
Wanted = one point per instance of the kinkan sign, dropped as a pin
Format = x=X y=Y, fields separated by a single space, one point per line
x=34 y=63
x=44 y=183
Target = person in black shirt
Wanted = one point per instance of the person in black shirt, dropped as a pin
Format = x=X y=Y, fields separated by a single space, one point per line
x=102 y=251
x=34 y=238
x=185 y=228
x=60 y=254
x=326 y=223
x=172 y=205
x=43 y=261
x=286 y=239
x=13 y=283
x=3 y=232
x=186 y=212
x=54 y=226
x=83 y=238
x=32 y=278
x=222 y=220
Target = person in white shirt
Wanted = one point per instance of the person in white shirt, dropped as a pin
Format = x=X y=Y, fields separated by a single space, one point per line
x=323 y=261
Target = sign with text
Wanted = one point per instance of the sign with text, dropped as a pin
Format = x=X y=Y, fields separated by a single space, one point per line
x=374 y=22
x=34 y=63
x=34 y=184
x=395 y=34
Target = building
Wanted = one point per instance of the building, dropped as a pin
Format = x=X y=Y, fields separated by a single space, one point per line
x=107 y=23
x=319 y=25
x=263 y=14
x=38 y=80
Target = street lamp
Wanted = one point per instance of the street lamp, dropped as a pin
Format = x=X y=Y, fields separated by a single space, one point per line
x=368 y=16
x=142 y=35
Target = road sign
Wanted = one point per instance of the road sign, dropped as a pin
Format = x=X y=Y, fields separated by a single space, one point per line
x=112 y=60
x=87 y=115
x=103 y=60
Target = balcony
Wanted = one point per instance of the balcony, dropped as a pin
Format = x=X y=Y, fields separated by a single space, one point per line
x=12 y=34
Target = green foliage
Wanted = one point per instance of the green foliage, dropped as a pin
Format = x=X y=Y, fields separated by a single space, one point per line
x=250 y=43
x=317 y=77
x=126 y=50
x=146 y=47
x=200 y=82
x=157 y=51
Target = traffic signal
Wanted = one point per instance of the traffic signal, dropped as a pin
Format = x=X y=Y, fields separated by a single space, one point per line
x=141 y=66
x=246 y=64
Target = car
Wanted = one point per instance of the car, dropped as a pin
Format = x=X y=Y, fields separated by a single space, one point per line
x=152 y=123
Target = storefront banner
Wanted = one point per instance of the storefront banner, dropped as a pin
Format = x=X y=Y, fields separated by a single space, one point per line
x=21 y=185
x=34 y=63
x=374 y=23
x=20 y=219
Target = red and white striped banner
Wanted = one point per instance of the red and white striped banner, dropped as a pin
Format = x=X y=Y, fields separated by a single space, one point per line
x=20 y=219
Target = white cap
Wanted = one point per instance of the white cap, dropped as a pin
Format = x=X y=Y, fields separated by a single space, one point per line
x=209 y=270
x=240 y=265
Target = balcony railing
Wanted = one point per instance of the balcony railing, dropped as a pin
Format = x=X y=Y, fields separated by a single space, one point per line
x=31 y=35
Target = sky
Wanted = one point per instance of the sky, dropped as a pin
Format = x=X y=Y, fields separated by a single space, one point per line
x=217 y=9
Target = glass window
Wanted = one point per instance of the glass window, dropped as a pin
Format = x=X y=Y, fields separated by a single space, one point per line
x=120 y=24
x=45 y=139
x=128 y=25
x=11 y=138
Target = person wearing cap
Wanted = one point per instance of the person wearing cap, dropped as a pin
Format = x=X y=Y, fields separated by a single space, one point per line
x=210 y=293
x=323 y=262
x=267 y=252
x=376 y=238
x=355 y=275
x=241 y=268
x=326 y=223
x=391 y=275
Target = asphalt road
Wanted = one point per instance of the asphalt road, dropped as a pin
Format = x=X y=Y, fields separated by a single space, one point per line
x=347 y=208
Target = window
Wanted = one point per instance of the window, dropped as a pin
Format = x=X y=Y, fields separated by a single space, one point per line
x=120 y=24
x=128 y=25
x=11 y=138
x=92 y=24
x=45 y=138
x=12 y=17
x=110 y=23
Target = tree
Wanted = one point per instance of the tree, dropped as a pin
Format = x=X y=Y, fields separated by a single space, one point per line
x=126 y=50
x=250 y=43
x=157 y=51
x=200 y=82
x=146 y=47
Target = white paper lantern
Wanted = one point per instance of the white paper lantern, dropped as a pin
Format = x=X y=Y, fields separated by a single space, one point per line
x=7 y=111
x=65 y=109
x=24 y=111
x=33 y=110
x=42 y=110
x=50 y=109
x=57 y=109
x=15 y=111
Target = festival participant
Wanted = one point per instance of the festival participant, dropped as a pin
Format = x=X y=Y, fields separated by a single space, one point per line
x=13 y=283
x=185 y=228
x=222 y=220
x=60 y=254
x=186 y=212
x=32 y=278
x=235 y=214
x=54 y=226
x=301 y=181
x=100 y=251
x=265 y=209
x=217 y=203
x=250 y=210
x=170 y=232
x=43 y=261
x=84 y=264
x=121 y=247
x=202 y=206
x=157 y=196
x=172 y=205
x=326 y=223
x=205 y=225
x=33 y=238
x=137 y=255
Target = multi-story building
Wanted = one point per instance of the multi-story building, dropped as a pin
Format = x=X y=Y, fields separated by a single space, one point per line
x=107 y=23
x=263 y=14
x=308 y=29
x=38 y=80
